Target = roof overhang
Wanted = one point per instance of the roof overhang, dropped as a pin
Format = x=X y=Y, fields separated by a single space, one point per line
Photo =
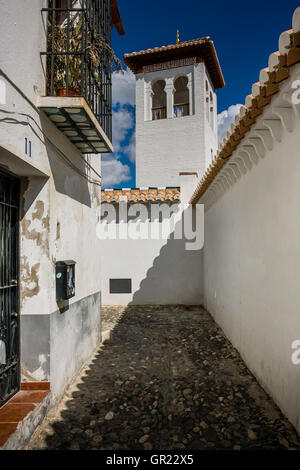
x=116 y=17
x=74 y=118
x=202 y=49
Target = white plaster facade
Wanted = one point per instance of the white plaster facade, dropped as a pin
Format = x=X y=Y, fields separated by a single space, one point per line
x=165 y=147
x=251 y=250
x=59 y=210
x=162 y=271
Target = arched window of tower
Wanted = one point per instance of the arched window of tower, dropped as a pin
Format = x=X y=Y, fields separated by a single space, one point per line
x=181 y=97
x=207 y=100
x=211 y=104
x=159 y=100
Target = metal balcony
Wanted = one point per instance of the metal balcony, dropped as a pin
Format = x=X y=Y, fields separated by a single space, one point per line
x=79 y=63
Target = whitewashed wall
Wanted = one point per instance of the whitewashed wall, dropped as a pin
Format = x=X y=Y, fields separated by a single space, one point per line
x=162 y=271
x=59 y=209
x=252 y=250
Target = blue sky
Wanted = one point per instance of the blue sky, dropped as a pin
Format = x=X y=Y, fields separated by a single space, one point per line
x=244 y=36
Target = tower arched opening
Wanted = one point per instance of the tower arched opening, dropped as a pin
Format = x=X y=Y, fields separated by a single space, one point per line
x=181 y=97
x=159 y=100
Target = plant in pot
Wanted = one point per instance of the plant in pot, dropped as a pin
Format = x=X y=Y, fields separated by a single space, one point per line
x=67 y=60
x=69 y=54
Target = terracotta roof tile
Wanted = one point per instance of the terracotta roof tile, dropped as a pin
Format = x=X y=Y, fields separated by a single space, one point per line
x=153 y=50
x=140 y=195
x=202 y=49
x=262 y=93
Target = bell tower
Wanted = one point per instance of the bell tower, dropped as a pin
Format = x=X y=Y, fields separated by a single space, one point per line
x=176 y=110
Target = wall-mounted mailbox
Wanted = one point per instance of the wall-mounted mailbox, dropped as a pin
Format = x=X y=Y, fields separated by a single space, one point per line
x=65 y=279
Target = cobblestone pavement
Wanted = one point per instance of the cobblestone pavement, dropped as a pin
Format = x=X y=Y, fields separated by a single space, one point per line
x=167 y=379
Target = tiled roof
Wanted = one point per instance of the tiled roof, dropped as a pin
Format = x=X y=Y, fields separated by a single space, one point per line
x=202 y=48
x=262 y=92
x=140 y=195
x=154 y=50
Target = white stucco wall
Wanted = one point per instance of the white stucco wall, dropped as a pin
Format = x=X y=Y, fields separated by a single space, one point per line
x=59 y=209
x=167 y=146
x=162 y=271
x=252 y=251
x=21 y=35
x=49 y=184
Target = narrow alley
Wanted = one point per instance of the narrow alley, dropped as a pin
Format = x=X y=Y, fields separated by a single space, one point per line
x=167 y=379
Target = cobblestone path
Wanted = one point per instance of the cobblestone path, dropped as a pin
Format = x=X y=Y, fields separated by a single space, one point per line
x=167 y=379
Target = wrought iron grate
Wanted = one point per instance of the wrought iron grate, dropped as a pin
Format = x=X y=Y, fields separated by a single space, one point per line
x=9 y=255
x=79 y=55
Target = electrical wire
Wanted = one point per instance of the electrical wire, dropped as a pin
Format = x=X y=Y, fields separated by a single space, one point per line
x=47 y=139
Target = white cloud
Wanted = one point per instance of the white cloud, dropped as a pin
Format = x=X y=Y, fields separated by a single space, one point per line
x=114 y=172
x=225 y=119
x=123 y=86
x=130 y=150
x=122 y=123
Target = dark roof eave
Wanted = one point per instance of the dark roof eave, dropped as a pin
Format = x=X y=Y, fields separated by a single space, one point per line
x=203 y=47
x=116 y=18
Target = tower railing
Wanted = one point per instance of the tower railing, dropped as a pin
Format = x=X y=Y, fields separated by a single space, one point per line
x=159 y=112
x=181 y=110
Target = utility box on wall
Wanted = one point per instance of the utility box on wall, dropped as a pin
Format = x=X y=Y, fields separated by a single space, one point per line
x=65 y=279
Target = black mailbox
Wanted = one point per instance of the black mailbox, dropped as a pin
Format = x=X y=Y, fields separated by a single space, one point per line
x=65 y=279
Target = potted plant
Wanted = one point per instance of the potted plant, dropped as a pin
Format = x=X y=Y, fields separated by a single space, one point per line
x=68 y=65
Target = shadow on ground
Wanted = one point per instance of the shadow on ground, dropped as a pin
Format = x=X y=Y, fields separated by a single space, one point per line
x=168 y=379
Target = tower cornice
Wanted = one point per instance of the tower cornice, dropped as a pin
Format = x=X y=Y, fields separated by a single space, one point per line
x=203 y=50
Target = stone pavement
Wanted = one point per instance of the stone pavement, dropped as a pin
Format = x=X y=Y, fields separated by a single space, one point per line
x=168 y=379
